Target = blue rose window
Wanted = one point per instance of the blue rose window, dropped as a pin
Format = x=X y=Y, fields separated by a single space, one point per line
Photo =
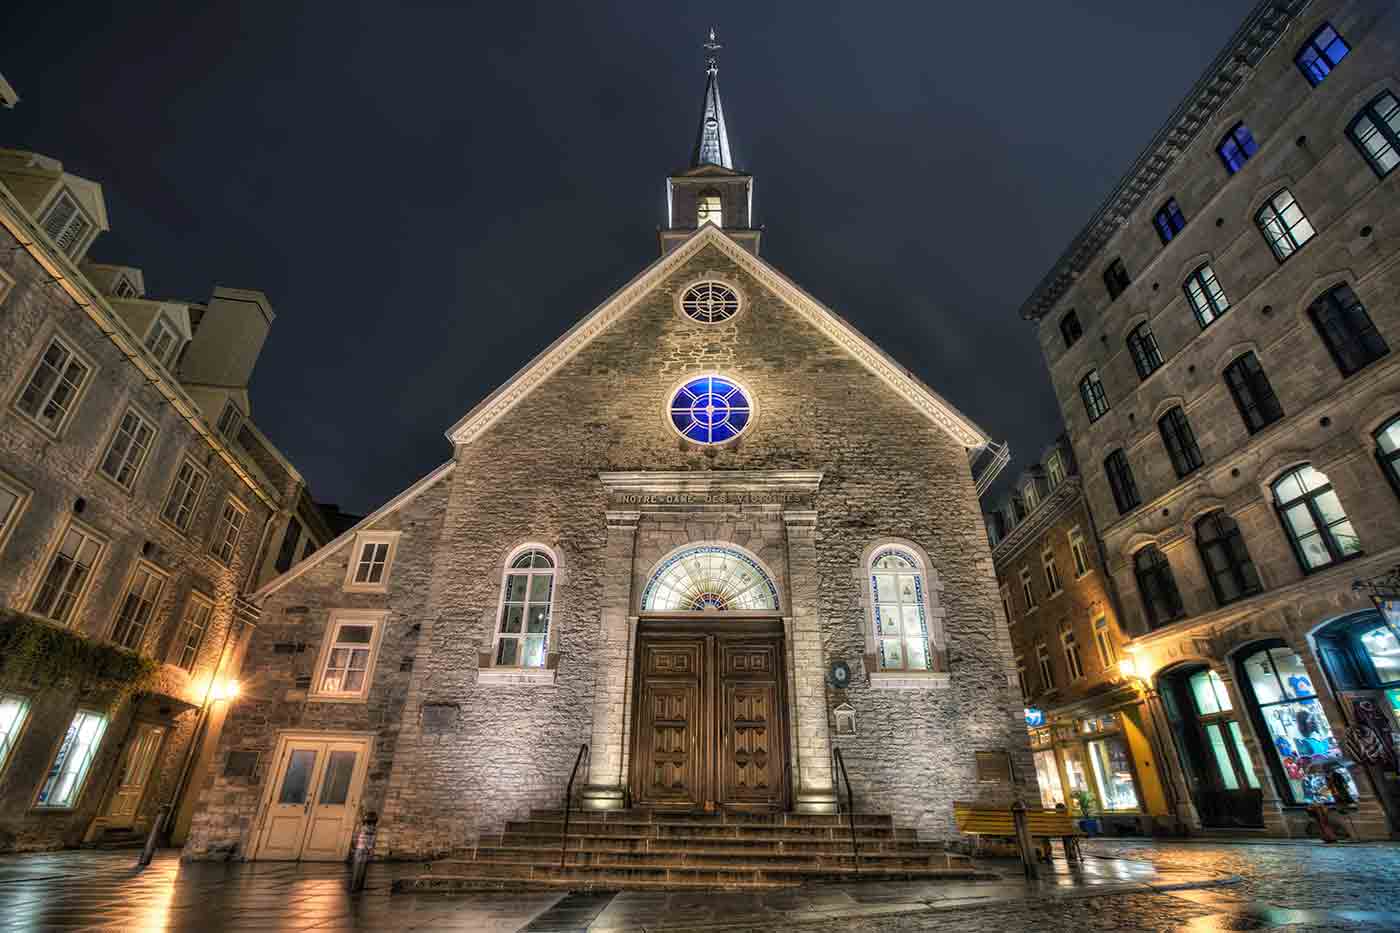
x=710 y=410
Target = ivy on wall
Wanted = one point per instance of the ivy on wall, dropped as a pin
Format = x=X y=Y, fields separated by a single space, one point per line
x=35 y=652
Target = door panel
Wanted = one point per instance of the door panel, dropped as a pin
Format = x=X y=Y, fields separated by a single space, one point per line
x=750 y=768
x=671 y=720
x=284 y=826
x=137 y=764
x=311 y=814
x=332 y=816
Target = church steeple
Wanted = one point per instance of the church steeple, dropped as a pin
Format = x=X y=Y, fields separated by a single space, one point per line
x=712 y=139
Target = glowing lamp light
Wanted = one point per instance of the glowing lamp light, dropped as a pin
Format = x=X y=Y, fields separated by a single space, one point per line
x=224 y=690
x=1127 y=667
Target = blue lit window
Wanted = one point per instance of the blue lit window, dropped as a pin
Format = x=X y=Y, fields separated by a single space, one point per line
x=1169 y=220
x=1320 y=54
x=1236 y=148
x=710 y=410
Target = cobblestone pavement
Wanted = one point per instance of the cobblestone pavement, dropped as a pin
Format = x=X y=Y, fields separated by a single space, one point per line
x=1127 y=885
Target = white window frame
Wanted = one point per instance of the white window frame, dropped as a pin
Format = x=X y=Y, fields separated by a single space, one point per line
x=130 y=291
x=1053 y=583
x=1031 y=495
x=9 y=521
x=1027 y=591
x=186 y=499
x=142 y=452
x=86 y=534
x=152 y=581
x=1006 y=604
x=76 y=236
x=1104 y=642
x=1080 y=552
x=339 y=619
x=162 y=325
x=10 y=735
x=364 y=541
x=1054 y=469
x=85 y=767
x=79 y=391
x=221 y=539
x=183 y=642
x=499 y=622
x=937 y=676
x=1047 y=671
x=230 y=420
x=1074 y=661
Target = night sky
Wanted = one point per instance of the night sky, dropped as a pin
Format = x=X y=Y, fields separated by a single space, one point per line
x=431 y=193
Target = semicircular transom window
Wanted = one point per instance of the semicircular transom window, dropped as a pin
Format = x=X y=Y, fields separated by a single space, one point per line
x=710 y=302
x=710 y=578
x=710 y=410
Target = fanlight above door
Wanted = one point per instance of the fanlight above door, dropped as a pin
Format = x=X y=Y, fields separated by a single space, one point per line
x=713 y=578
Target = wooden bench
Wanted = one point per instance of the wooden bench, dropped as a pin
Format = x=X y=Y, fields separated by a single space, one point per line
x=1040 y=824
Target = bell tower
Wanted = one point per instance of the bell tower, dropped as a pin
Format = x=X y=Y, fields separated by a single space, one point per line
x=710 y=190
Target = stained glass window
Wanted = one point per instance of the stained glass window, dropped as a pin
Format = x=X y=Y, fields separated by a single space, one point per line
x=901 y=620
x=710 y=410
x=710 y=577
x=522 y=639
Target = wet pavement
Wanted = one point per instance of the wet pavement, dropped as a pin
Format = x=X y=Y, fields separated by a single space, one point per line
x=1127 y=885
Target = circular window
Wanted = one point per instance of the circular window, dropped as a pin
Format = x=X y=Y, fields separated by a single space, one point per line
x=710 y=302
x=710 y=410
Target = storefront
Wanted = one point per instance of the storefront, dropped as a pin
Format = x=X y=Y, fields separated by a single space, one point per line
x=1092 y=755
x=1220 y=773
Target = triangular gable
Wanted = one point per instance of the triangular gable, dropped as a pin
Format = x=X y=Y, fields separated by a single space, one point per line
x=547 y=362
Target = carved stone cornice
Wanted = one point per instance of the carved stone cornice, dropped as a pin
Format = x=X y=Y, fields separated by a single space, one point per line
x=1050 y=510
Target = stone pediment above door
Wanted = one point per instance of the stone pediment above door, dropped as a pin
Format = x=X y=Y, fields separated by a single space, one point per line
x=711 y=490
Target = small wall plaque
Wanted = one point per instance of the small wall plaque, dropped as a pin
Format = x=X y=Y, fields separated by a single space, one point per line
x=845 y=720
x=993 y=767
x=439 y=717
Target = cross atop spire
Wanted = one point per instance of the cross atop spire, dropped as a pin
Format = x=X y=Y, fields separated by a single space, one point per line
x=712 y=141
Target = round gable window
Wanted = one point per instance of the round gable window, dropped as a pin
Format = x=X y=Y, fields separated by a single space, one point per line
x=710 y=410
x=710 y=302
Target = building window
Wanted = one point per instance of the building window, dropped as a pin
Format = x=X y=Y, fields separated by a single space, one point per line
x=709 y=209
x=66 y=224
x=229 y=421
x=128 y=449
x=1115 y=279
x=710 y=302
x=1347 y=329
x=224 y=544
x=1027 y=593
x=1168 y=220
x=1284 y=225
x=900 y=616
x=1021 y=678
x=184 y=495
x=1180 y=441
x=1080 y=552
x=1091 y=391
x=190 y=636
x=1205 y=295
x=54 y=387
x=14 y=712
x=710 y=410
x=1226 y=558
x=1052 y=574
x=1254 y=396
x=1237 y=147
x=163 y=340
x=348 y=655
x=287 y=550
x=1047 y=673
x=1376 y=132
x=123 y=288
x=1032 y=495
x=1160 y=597
x=709 y=577
x=1055 y=468
x=1387 y=453
x=374 y=557
x=1006 y=603
x=68 y=575
x=1142 y=344
x=1072 y=659
x=13 y=499
x=1070 y=329
x=1314 y=518
x=1223 y=738
x=527 y=598
x=1320 y=54
x=1282 y=698
x=137 y=606
x=64 y=783
x=1120 y=480
x=1103 y=640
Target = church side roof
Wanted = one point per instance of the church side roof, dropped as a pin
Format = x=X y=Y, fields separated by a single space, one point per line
x=937 y=409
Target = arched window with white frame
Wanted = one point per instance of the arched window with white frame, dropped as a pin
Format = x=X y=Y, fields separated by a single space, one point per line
x=900 y=610
x=527 y=602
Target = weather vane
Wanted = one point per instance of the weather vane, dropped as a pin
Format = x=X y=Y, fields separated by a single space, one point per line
x=712 y=47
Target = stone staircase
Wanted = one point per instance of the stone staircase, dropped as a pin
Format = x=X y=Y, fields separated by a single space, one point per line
x=631 y=849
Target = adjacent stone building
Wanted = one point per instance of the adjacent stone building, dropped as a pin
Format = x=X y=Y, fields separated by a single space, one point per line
x=135 y=512
x=1221 y=338
x=711 y=532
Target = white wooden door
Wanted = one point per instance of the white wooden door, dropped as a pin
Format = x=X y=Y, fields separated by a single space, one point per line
x=314 y=800
x=138 y=761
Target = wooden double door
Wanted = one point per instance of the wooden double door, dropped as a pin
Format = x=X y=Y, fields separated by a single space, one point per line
x=711 y=716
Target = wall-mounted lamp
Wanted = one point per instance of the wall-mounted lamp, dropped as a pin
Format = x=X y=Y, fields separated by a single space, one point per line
x=1128 y=668
x=224 y=690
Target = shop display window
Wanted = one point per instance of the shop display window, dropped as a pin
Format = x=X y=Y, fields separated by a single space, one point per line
x=1383 y=650
x=1114 y=771
x=1047 y=774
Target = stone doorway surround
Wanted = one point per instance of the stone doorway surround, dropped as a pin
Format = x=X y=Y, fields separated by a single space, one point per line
x=770 y=513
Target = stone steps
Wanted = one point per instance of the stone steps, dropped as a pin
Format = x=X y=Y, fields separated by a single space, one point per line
x=798 y=847
x=683 y=830
x=683 y=858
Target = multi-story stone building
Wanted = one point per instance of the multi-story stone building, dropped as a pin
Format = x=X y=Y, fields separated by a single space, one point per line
x=135 y=510
x=1220 y=339
x=1090 y=729
x=711 y=532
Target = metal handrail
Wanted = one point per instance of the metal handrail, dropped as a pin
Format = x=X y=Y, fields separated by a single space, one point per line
x=568 y=804
x=850 y=799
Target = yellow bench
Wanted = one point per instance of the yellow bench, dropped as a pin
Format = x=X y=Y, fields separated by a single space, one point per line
x=973 y=820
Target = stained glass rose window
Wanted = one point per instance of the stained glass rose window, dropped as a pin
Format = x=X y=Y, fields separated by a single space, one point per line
x=710 y=410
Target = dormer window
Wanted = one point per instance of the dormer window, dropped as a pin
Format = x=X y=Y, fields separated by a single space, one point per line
x=123 y=288
x=709 y=209
x=230 y=421
x=65 y=223
x=163 y=340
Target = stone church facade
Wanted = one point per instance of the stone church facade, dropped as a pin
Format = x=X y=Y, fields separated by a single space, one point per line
x=657 y=540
